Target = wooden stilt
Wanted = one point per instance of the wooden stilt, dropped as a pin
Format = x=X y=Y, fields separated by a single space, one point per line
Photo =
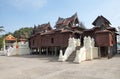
x=52 y=51
x=40 y=51
x=37 y=50
x=109 y=52
x=47 y=51
x=55 y=51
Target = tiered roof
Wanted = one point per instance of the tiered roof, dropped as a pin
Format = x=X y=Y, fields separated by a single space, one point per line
x=42 y=28
x=67 y=22
x=63 y=25
x=10 y=38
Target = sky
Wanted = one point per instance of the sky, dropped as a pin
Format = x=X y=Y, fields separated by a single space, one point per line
x=15 y=14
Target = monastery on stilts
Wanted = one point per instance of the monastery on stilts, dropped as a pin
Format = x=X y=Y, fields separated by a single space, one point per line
x=45 y=40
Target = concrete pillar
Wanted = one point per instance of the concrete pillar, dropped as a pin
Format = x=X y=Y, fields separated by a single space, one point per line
x=99 y=52
x=109 y=52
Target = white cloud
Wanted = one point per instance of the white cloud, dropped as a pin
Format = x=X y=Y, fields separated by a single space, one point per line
x=28 y=4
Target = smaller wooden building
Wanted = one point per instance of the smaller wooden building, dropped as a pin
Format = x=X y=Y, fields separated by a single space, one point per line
x=9 y=40
x=104 y=35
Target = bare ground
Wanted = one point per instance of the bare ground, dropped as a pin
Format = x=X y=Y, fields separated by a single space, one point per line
x=44 y=67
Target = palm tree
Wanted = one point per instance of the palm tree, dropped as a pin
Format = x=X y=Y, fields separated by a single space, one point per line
x=1 y=38
x=1 y=29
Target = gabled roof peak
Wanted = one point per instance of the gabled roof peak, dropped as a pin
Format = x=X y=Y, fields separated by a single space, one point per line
x=100 y=18
x=66 y=21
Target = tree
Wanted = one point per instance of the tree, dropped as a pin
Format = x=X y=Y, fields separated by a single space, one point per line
x=1 y=29
x=1 y=39
x=8 y=34
x=26 y=31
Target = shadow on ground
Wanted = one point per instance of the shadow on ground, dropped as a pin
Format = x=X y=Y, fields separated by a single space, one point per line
x=117 y=55
x=40 y=57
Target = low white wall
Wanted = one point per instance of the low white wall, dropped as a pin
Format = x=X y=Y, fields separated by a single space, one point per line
x=23 y=49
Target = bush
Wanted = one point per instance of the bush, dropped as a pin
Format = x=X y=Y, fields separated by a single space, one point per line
x=1 y=43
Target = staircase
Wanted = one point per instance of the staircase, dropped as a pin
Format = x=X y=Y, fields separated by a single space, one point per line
x=72 y=56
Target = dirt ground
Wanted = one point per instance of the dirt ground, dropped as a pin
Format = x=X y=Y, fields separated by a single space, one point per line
x=44 y=67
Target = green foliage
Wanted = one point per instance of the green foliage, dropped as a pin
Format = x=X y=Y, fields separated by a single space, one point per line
x=8 y=34
x=1 y=42
x=1 y=38
x=23 y=31
x=1 y=29
x=26 y=31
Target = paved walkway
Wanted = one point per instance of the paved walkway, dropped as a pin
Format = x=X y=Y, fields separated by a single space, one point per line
x=42 y=67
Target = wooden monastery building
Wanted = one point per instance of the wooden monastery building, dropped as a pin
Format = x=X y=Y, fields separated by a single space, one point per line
x=105 y=37
x=48 y=41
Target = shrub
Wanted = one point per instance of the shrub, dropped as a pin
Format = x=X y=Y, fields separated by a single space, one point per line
x=1 y=43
